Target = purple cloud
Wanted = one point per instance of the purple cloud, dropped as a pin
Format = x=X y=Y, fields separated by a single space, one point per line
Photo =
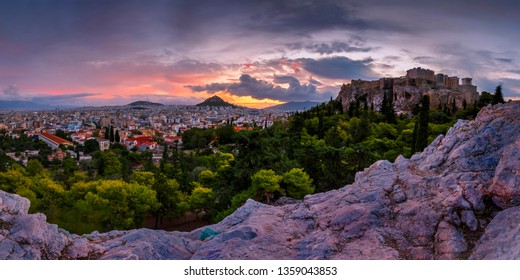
x=260 y=89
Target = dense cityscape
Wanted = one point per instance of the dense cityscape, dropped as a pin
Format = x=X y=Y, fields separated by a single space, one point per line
x=141 y=128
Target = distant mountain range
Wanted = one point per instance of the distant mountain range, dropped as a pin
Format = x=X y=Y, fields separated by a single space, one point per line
x=215 y=101
x=294 y=106
x=144 y=103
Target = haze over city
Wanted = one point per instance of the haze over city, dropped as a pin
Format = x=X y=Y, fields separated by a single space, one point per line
x=251 y=53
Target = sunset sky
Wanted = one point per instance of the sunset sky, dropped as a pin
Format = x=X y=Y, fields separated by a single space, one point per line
x=253 y=53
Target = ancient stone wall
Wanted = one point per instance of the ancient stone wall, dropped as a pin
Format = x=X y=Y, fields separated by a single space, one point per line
x=407 y=91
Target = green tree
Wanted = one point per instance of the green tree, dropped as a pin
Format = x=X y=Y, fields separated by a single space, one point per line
x=34 y=167
x=485 y=99
x=169 y=197
x=337 y=136
x=111 y=165
x=49 y=198
x=201 y=199
x=5 y=162
x=359 y=128
x=207 y=177
x=123 y=205
x=91 y=145
x=107 y=133
x=266 y=183
x=297 y=183
x=144 y=178
x=14 y=178
x=225 y=134
x=69 y=166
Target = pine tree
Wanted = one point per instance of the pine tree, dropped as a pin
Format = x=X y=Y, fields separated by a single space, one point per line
x=498 y=97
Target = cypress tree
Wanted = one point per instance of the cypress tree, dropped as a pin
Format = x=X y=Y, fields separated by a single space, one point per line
x=117 y=138
x=351 y=109
x=498 y=97
x=384 y=105
x=414 y=135
x=388 y=110
x=391 y=115
x=112 y=138
x=421 y=127
x=453 y=107
x=107 y=133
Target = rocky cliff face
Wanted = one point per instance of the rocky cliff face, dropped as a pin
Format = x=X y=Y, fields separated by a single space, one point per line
x=458 y=199
x=405 y=94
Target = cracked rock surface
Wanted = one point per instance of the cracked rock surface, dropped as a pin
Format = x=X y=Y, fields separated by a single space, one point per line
x=458 y=199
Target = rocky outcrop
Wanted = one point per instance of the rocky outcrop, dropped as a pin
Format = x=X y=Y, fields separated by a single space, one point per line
x=404 y=93
x=458 y=199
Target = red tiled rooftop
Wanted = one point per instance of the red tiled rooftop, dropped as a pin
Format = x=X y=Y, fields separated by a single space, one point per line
x=56 y=139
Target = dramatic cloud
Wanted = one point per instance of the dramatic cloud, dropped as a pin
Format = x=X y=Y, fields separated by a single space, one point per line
x=284 y=16
x=260 y=89
x=315 y=82
x=328 y=48
x=338 y=67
